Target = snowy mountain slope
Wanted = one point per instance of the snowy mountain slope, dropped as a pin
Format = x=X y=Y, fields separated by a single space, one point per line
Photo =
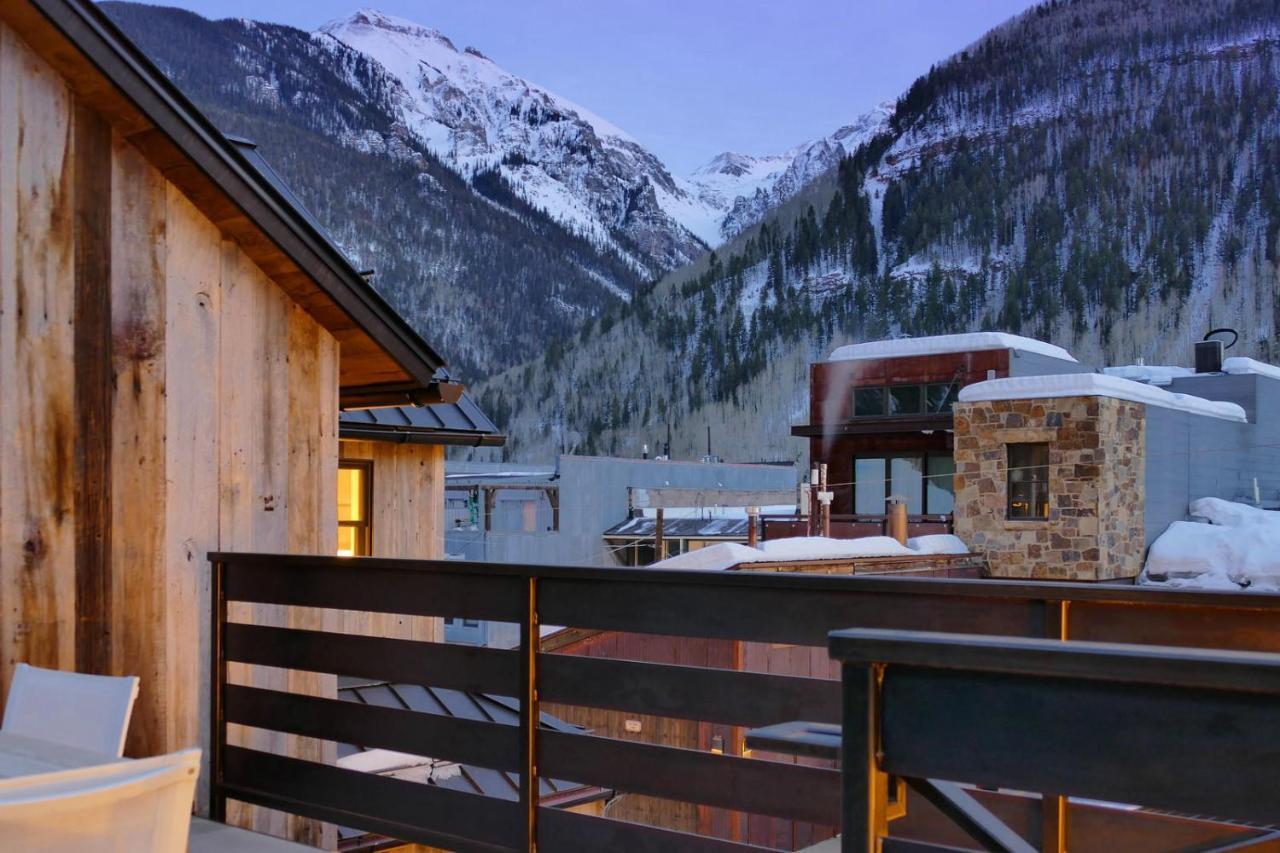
x=1100 y=174
x=745 y=188
x=584 y=171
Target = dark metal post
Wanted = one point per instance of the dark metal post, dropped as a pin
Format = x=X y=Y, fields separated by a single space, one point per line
x=1054 y=807
x=861 y=806
x=659 y=540
x=529 y=714
x=217 y=681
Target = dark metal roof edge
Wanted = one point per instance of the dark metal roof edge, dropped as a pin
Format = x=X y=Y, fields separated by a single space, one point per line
x=157 y=98
x=419 y=435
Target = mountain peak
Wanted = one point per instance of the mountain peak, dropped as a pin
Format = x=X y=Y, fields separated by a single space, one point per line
x=373 y=19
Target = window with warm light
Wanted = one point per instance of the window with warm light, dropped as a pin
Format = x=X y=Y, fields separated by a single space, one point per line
x=355 y=532
x=1028 y=487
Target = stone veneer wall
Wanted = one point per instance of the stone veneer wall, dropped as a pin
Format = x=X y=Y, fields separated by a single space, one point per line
x=1096 y=487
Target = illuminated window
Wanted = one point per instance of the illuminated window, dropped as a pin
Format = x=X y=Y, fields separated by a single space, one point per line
x=1028 y=481
x=355 y=533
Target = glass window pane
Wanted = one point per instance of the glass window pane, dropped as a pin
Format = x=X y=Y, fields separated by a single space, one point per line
x=868 y=486
x=350 y=494
x=904 y=400
x=348 y=542
x=940 y=494
x=868 y=402
x=1028 y=487
x=907 y=473
x=940 y=398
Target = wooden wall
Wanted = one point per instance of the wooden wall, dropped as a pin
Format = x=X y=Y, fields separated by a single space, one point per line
x=160 y=397
x=407 y=521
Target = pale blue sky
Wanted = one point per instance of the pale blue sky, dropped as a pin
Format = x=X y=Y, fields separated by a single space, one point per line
x=692 y=78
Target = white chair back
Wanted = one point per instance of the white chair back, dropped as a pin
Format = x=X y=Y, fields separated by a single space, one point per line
x=88 y=712
x=142 y=806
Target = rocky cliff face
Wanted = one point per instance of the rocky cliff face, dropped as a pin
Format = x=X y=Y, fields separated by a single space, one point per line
x=1101 y=174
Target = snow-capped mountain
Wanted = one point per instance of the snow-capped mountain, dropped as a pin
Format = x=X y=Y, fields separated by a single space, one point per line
x=744 y=188
x=584 y=171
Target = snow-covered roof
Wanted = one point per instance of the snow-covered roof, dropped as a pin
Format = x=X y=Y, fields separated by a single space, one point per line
x=726 y=555
x=1096 y=385
x=1238 y=549
x=1237 y=365
x=937 y=344
x=1152 y=374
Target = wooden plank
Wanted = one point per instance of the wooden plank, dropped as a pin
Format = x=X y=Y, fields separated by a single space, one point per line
x=689 y=692
x=193 y=305
x=746 y=784
x=94 y=390
x=561 y=830
x=993 y=734
x=410 y=811
x=37 y=367
x=138 y=605
x=439 y=736
x=377 y=658
x=322 y=584
x=311 y=506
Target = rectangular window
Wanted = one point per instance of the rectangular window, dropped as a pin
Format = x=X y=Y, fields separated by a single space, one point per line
x=940 y=398
x=940 y=490
x=906 y=481
x=1028 y=491
x=924 y=481
x=868 y=402
x=355 y=491
x=868 y=485
x=904 y=400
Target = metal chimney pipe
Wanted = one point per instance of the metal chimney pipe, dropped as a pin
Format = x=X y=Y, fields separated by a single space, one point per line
x=898 y=520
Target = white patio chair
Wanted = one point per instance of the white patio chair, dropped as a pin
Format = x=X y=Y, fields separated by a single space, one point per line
x=142 y=806
x=88 y=712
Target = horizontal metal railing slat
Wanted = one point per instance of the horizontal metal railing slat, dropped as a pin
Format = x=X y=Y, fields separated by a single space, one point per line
x=562 y=831
x=488 y=744
x=687 y=692
x=411 y=661
x=380 y=589
x=745 y=784
x=418 y=812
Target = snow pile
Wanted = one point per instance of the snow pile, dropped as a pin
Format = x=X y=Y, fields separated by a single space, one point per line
x=821 y=548
x=1238 y=365
x=937 y=543
x=1151 y=374
x=937 y=344
x=1096 y=385
x=1239 y=548
x=726 y=555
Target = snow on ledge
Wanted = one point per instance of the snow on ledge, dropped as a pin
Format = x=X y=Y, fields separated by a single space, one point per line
x=1238 y=549
x=1151 y=374
x=1096 y=385
x=971 y=342
x=1237 y=365
x=726 y=555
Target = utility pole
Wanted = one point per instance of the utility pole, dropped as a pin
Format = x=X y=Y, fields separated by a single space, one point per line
x=753 y=524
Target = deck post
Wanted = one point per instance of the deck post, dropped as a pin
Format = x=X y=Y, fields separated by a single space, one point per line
x=217 y=682
x=863 y=804
x=529 y=713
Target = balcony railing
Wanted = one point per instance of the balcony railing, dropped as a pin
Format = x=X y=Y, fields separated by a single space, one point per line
x=853 y=526
x=739 y=606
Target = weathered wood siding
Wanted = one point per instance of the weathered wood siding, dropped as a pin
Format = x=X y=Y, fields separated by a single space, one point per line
x=160 y=397
x=408 y=510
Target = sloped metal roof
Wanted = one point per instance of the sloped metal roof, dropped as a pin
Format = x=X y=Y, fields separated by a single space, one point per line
x=460 y=423
x=484 y=707
x=680 y=528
